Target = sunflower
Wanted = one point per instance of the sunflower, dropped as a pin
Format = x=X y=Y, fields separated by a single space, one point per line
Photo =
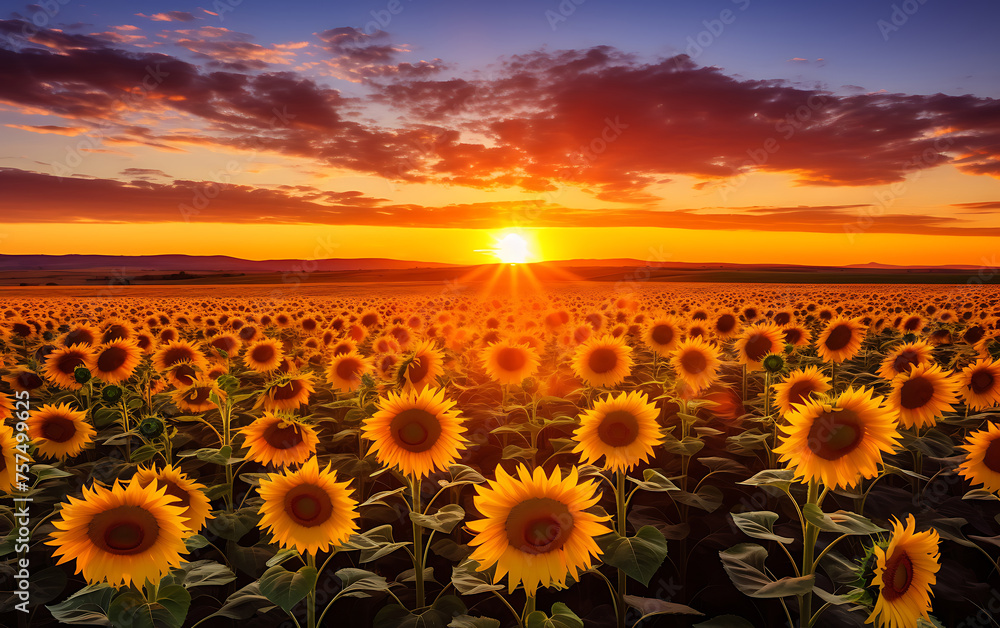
x=59 y=431
x=841 y=340
x=904 y=573
x=179 y=361
x=263 y=356
x=923 y=395
x=308 y=509
x=344 y=345
x=279 y=440
x=905 y=357
x=190 y=494
x=662 y=335
x=385 y=344
x=230 y=343
x=9 y=457
x=981 y=384
x=423 y=367
x=510 y=363
x=115 y=361
x=725 y=325
x=756 y=342
x=60 y=365
x=796 y=335
x=622 y=429
x=346 y=370
x=800 y=385
x=838 y=443
x=197 y=396
x=81 y=333
x=116 y=330
x=982 y=460
x=23 y=379
x=535 y=527
x=387 y=364
x=125 y=535
x=605 y=361
x=697 y=363
x=288 y=392
x=416 y=432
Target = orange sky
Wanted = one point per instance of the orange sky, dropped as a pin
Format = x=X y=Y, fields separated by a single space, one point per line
x=341 y=143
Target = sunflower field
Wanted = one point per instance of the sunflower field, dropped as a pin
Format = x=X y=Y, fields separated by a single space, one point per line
x=719 y=456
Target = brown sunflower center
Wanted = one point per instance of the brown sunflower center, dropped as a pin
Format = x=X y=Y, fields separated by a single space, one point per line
x=348 y=369
x=287 y=391
x=115 y=332
x=68 y=362
x=185 y=374
x=308 y=505
x=840 y=337
x=800 y=391
x=178 y=354
x=124 y=530
x=782 y=318
x=793 y=335
x=58 y=429
x=511 y=359
x=618 y=428
x=28 y=380
x=111 y=359
x=183 y=497
x=905 y=360
x=726 y=323
x=415 y=430
x=262 y=354
x=662 y=334
x=539 y=525
x=79 y=336
x=198 y=396
x=694 y=362
x=916 y=392
x=991 y=457
x=982 y=381
x=418 y=369
x=225 y=343
x=283 y=437
x=602 y=360
x=369 y=319
x=898 y=576
x=834 y=435
x=757 y=346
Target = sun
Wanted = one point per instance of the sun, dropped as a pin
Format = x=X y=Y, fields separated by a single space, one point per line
x=511 y=249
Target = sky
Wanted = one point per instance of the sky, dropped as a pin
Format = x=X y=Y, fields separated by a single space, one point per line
x=717 y=131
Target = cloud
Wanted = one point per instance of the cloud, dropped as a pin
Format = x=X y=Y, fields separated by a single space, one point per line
x=984 y=207
x=33 y=197
x=599 y=119
x=170 y=16
x=358 y=56
x=69 y=131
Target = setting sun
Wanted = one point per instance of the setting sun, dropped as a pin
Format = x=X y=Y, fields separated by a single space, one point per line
x=511 y=249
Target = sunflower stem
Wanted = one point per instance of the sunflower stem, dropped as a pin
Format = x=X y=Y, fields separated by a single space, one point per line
x=622 y=524
x=311 y=598
x=811 y=532
x=418 y=541
x=227 y=438
x=529 y=608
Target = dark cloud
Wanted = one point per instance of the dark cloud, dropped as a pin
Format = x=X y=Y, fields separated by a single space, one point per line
x=33 y=197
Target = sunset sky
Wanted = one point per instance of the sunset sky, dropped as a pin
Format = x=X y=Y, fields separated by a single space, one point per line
x=729 y=130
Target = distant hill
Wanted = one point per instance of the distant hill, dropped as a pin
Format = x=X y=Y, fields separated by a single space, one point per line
x=199 y=263
x=111 y=270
